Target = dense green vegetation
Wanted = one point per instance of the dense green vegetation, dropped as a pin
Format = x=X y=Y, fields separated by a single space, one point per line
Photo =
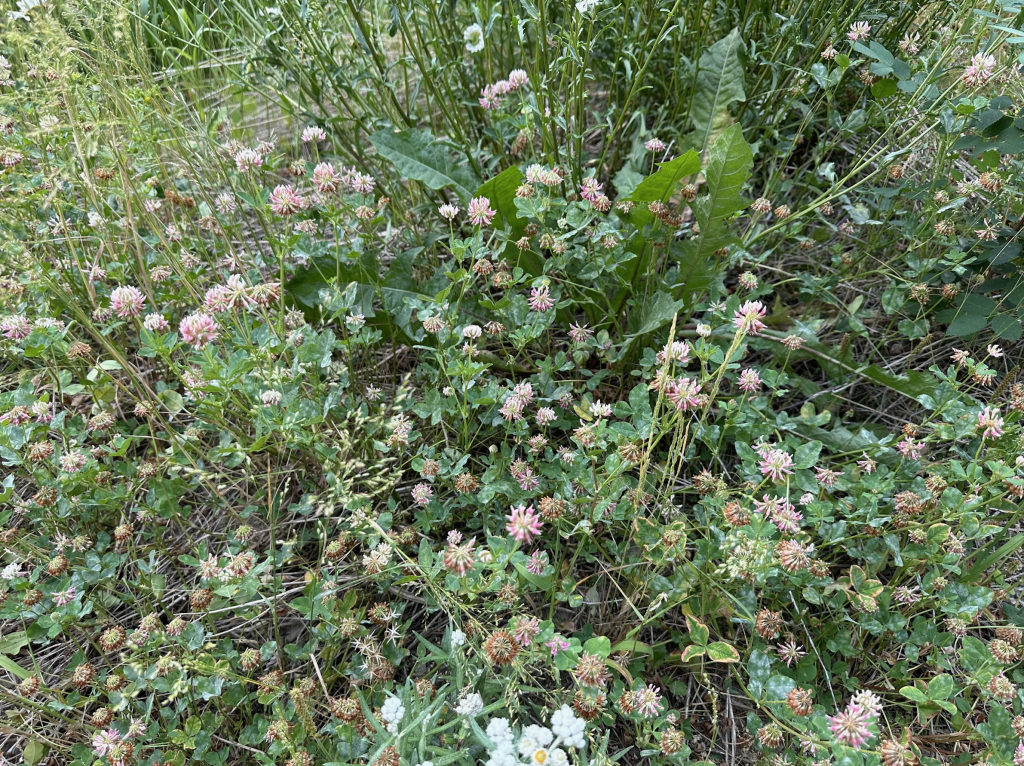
x=414 y=384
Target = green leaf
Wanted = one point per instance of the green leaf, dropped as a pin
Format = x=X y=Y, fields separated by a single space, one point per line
x=640 y=404
x=501 y=191
x=692 y=652
x=778 y=687
x=858 y=577
x=914 y=329
x=158 y=584
x=194 y=635
x=806 y=455
x=658 y=186
x=598 y=645
x=626 y=180
x=13 y=643
x=1006 y=327
x=913 y=693
x=629 y=645
x=698 y=631
x=872 y=588
x=884 y=88
x=759 y=667
x=972 y=315
x=425 y=556
x=937 y=534
x=431 y=407
x=875 y=51
x=719 y=83
x=361 y=278
x=399 y=282
x=965 y=598
x=729 y=162
x=541 y=583
x=13 y=667
x=998 y=730
x=304 y=288
x=984 y=562
x=656 y=312
x=841 y=438
x=417 y=155
x=719 y=651
x=661 y=185
x=172 y=401
x=34 y=752
x=913 y=384
x=966 y=324
x=940 y=687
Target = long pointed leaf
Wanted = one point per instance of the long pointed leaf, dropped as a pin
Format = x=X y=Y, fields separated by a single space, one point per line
x=729 y=162
x=719 y=84
x=660 y=185
x=419 y=156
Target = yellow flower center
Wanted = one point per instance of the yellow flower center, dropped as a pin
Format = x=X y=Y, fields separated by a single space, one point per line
x=540 y=757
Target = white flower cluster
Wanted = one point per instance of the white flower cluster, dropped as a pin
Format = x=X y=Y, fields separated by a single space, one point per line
x=474 y=37
x=536 y=745
x=392 y=711
x=470 y=705
x=11 y=571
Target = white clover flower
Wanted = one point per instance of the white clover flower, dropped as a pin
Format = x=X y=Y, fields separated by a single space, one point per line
x=458 y=637
x=584 y=6
x=470 y=705
x=474 y=37
x=568 y=727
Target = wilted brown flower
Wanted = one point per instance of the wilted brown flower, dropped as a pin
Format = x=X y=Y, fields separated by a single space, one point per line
x=735 y=515
x=501 y=648
x=113 y=638
x=83 y=675
x=200 y=599
x=588 y=706
x=799 y=701
x=768 y=624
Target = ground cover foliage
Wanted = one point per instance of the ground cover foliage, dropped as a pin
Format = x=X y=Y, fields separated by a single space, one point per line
x=414 y=384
